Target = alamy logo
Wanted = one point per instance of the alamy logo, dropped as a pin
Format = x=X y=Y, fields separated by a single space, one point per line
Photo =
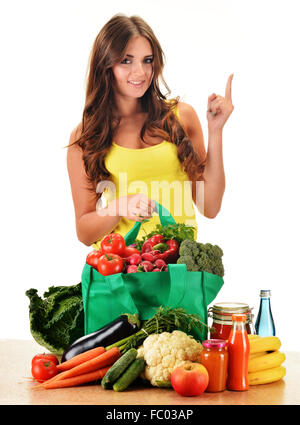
x=176 y=193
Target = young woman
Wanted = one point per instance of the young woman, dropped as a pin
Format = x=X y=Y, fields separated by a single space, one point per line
x=134 y=146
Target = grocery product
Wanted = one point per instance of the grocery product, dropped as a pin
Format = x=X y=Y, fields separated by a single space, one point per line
x=238 y=350
x=264 y=324
x=167 y=250
x=164 y=320
x=267 y=343
x=122 y=327
x=57 y=319
x=130 y=375
x=118 y=368
x=190 y=379
x=266 y=361
x=221 y=314
x=201 y=257
x=165 y=351
x=214 y=357
x=266 y=376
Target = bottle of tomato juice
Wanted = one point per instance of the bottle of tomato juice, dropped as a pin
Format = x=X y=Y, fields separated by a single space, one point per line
x=238 y=354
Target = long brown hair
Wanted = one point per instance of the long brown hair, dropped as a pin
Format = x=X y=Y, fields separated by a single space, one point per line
x=98 y=120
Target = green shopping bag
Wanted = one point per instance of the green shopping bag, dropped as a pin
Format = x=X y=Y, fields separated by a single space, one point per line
x=107 y=297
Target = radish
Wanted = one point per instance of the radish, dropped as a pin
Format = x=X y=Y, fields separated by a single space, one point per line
x=160 y=264
x=134 y=259
x=132 y=268
x=148 y=256
x=147 y=266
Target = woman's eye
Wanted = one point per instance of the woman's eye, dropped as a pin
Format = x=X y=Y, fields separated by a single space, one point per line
x=127 y=61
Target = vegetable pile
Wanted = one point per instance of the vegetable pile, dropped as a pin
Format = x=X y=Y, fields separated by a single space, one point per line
x=171 y=244
x=119 y=364
x=57 y=319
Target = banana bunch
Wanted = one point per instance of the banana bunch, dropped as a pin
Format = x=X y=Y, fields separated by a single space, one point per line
x=265 y=360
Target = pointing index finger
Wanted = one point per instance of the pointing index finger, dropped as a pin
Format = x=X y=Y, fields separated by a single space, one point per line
x=228 y=87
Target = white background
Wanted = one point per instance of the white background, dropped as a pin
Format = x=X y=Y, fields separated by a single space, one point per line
x=45 y=47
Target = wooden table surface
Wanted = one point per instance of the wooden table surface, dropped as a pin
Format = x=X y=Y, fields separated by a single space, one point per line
x=16 y=387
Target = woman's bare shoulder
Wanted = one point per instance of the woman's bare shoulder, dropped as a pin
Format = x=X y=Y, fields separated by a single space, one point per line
x=75 y=133
x=187 y=116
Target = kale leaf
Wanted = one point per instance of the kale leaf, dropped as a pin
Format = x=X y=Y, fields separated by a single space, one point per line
x=57 y=319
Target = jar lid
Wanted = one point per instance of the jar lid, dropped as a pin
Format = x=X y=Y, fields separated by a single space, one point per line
x=214 y=343
x=239 y=317
x=231 y=307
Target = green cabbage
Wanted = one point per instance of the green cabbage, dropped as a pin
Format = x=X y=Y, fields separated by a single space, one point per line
x=57 y=319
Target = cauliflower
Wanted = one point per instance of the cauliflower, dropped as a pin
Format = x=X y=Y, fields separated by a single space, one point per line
x=166 y=351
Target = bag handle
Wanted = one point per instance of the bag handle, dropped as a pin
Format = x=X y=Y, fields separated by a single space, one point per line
x=178 y=274
x=165 y=219
x=117 y=286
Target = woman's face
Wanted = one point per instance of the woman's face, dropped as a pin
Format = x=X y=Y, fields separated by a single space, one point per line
x=133 y=75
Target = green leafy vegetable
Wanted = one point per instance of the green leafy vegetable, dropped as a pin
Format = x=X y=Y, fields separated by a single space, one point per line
x=177 y=231
x=164 y=320
x=201 y=257
x=56 y=320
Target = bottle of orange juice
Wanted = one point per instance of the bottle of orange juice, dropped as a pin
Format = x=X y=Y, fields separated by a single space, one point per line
x=238 y=352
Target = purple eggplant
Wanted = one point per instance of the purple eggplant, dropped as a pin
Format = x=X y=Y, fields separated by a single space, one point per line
x=122 y=327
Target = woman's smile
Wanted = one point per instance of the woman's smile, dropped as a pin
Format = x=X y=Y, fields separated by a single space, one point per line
x=136 y=84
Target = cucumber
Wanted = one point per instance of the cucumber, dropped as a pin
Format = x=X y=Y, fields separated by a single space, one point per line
x=130 y=374
x=116 y=370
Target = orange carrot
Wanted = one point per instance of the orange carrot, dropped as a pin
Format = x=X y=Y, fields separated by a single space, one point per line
x=99 y=362
x=80 y=358
x=77 y=380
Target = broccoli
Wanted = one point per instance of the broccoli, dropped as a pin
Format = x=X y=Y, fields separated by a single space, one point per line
x=191 y=265
x=204 y=262
x=201 y=257
x=189 y=247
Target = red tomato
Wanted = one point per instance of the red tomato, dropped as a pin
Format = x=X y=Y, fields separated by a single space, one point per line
x=46 y=357
x=190 y=379
x=113 y=243
x=110 y=264
x=129 y=250
x=93 y=258
x=43 y=369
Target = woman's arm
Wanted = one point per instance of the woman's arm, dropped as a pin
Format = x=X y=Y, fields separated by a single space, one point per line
x=208 y=195
x=90 y=226
x=92 y=223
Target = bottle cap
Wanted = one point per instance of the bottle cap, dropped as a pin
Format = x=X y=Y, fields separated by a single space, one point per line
x=265 y=293
x=239 y=317
x=214 y=343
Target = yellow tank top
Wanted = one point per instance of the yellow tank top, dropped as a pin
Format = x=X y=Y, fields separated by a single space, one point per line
x=155 y=171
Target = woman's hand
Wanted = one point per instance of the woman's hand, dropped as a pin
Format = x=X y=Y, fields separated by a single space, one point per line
x=137 y=207
x=219 y=108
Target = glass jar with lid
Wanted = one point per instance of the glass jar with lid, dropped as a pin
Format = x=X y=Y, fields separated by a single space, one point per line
x=214 y=357
x=221 y=314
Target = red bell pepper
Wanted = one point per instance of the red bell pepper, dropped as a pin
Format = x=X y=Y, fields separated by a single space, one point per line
x=164 y=250
x=149 y=243
x=170 y=250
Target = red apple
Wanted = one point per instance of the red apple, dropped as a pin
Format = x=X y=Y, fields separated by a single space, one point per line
x=190 y=379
